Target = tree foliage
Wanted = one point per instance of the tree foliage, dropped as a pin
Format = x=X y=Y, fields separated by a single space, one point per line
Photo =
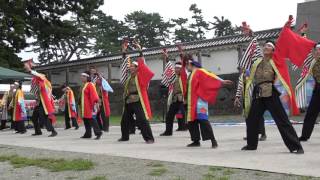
x=182 y=33
x=42 y=20
x=199 y=24
x=61 y=30
x=223 y=27
x=149 y=28
x=108 y=33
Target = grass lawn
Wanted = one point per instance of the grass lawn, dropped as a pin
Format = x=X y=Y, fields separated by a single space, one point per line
x=16 y=162
x=54 y=165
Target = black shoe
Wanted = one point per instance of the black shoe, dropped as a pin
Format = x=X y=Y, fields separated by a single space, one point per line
x=121 y=140
x=53 y=134
x=263 y=137
x=67 y=128
x=248 y=148
x=85 y=137
x=303 y=139
x=166 y=134
x=194 y=144
x=298 y=151
x=22 y=132
x=150 y=141
x=245 y=138
x=36 y=134
x=76 y=128
x=214 y=143
x=98 y=136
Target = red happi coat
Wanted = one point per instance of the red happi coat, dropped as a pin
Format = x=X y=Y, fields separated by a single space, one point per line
x=89 y=97
x=70 y=102
x=202 y=84
x=45 y=93
x=183 y=78
x=296 y=48
x=183 y=83
x=142 y=79
x=19 y=109
x=105 y=102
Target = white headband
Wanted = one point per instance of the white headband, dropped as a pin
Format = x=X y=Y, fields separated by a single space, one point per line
x=270 y=44
x=16 y=83
x=178 y=66
x=85 y=74
x=318 y=46
x=135 y=63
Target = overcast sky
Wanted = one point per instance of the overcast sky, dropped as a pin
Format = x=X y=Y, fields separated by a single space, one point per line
x=259 y=14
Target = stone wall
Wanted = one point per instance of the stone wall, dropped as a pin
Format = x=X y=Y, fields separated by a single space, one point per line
x=309 y=12
x=224 y=105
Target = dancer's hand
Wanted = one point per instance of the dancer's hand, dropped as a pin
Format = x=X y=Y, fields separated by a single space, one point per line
x=165 y=54
x=125 y=45
x=289 y=22
x=237 y=102
x=227 y=82
x=27 y=67
x=137 y=45
x=246 y=30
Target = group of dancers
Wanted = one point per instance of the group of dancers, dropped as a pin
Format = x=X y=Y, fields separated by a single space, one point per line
x=191 y=91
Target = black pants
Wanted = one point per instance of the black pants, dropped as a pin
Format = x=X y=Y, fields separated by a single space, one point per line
x=132 y=125
x=173 y=110
x=67 y=119
x=312 y=113
x=205 y=128
x=10 y=113
x=19 y=126
x=142 y=122
x=90 y=124
x=182 y=125
x=3 y=124
x=273 y=104
x=262 y=129
x=39 y=117
x=103 y=120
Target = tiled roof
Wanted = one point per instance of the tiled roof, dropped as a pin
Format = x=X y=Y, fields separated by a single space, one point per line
x=208 y=43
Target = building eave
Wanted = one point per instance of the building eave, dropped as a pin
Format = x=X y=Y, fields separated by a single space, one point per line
x=215 y=43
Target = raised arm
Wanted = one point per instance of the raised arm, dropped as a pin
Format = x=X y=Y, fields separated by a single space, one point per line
x=165 y=55
x=144 y=72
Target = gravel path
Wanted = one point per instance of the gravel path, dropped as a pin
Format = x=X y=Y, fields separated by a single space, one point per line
x=120 y=168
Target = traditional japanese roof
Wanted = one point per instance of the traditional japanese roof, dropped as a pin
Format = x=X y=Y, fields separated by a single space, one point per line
x=189 y=46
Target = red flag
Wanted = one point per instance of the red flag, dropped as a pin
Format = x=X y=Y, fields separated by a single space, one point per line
x=296 y=48
x=144 y=76
x=293 y=46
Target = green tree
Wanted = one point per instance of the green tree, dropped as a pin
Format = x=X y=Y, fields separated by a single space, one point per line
x=149 y=28
x=71 y=40
x=182 y=33
x=9 y=59
x=199 y=25
x=223 y=27
x=108 y=34
x=41 y=20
